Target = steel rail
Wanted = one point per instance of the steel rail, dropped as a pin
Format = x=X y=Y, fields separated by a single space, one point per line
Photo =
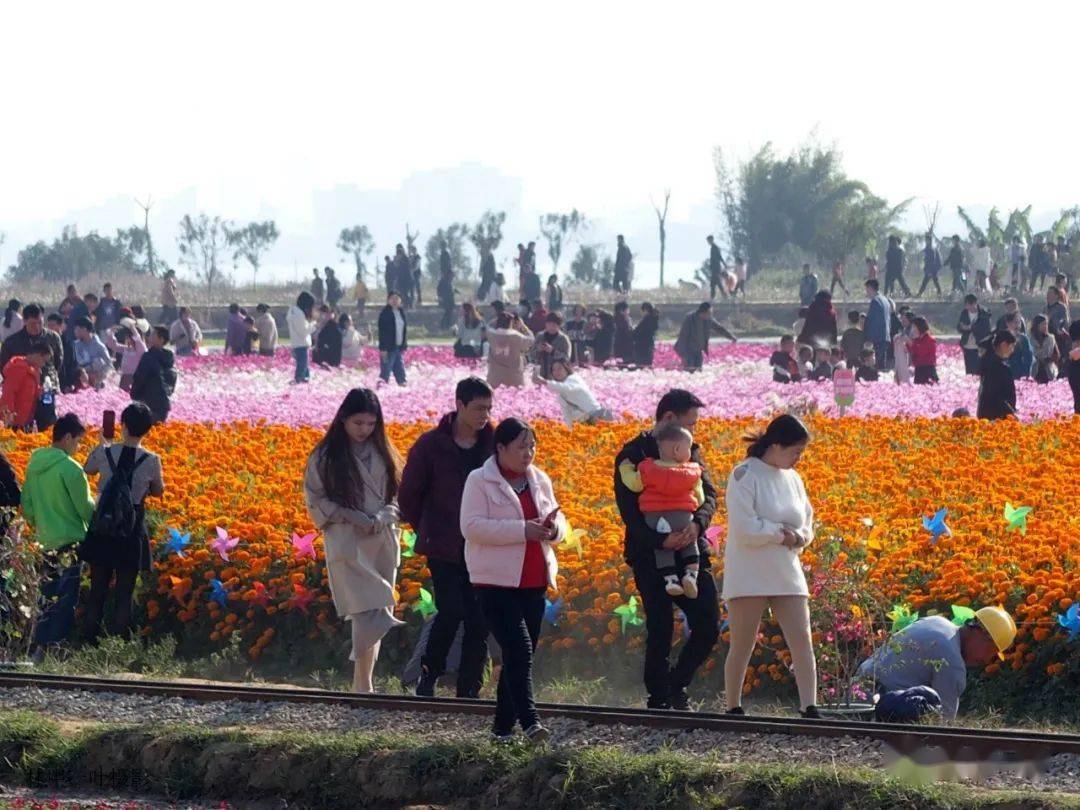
x=922 y=742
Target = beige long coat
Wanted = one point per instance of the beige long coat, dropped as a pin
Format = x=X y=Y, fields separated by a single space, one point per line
x=361 y=564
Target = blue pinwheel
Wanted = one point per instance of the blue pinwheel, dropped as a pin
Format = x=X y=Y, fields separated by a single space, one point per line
x=177 y=542
x=552 y=611
x=936 y=525
x=1070 y=620
x=218 y=593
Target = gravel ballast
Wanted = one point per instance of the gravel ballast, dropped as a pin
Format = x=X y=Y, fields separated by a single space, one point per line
x=1062 y=773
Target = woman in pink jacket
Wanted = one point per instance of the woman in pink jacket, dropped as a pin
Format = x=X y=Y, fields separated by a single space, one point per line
x=510 y=520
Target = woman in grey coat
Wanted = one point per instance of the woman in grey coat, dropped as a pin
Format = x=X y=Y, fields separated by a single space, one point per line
x=350 y=486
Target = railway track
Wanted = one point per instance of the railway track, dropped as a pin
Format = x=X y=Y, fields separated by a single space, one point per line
x=927 y=744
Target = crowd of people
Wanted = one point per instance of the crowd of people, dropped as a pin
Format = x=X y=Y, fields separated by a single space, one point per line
x=488 y=521
x=486 y=516
x=892 y=337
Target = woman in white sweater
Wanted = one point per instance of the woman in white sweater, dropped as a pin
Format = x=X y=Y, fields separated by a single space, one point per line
x=770 y=521
x=575 y=396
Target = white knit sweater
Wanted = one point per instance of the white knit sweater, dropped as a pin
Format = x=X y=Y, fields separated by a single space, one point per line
x=761 y=501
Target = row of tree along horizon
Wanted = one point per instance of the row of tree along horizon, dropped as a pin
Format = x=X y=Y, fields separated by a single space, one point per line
x=778 y=210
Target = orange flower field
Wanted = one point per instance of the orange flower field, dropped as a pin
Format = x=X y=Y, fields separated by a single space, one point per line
x=871 y=482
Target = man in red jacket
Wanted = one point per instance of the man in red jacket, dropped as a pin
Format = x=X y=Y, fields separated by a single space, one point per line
x=22 y=386
x=430 y=500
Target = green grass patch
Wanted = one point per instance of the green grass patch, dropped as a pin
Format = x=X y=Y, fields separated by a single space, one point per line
x=385 y=770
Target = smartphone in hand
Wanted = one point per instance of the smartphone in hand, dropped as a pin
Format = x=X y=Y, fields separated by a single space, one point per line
x=549 y=521
x=108 y=425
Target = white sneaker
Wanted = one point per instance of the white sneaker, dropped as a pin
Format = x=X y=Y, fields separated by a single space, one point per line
x=672 y=586
x=689 y=584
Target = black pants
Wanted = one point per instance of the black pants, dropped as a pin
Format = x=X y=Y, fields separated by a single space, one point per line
x=457 y=602
x=100 y=577
x=892 y=279
x=926 y=279
x=447 y=316
x=621 y=282
x=925 y=375
x=971 y=361
x=836 y=280
x=514 y=616
x=693 y=360
x=702 y=614
x=717 y=283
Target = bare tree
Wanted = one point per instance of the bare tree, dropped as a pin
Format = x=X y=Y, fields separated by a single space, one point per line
x=146 y=206
x=410 y=237
x=661 y=219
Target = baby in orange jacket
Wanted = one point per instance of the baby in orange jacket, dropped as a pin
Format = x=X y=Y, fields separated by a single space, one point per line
x=670 y=492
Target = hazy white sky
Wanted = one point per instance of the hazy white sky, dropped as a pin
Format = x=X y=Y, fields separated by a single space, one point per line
x=592 y=104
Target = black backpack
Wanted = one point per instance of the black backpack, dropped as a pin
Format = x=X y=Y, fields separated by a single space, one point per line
x=116 y=512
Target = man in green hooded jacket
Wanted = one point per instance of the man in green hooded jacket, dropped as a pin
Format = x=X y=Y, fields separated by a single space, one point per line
x=56 y=501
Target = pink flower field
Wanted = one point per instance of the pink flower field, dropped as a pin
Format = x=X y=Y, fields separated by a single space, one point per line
x=736 y=382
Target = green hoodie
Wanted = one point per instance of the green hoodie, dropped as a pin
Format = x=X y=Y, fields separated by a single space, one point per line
x=56 y=498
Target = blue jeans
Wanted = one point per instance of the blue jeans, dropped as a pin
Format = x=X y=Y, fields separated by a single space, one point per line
x=303 y=373
x=392 y=361
x=59 y=593
x=907 y=705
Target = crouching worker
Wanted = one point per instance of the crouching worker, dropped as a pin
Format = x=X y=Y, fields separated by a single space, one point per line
x=923 y=668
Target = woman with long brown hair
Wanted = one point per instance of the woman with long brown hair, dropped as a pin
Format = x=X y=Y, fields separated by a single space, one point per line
x=350 y=486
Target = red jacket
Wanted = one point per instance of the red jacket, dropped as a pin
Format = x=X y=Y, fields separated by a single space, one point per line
x=923 y=351
x=669 y=489
x=21 y=391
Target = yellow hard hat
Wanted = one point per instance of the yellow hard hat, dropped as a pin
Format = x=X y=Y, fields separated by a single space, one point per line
x=999 y=624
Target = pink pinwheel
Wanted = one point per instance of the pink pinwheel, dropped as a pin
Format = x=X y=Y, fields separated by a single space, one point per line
x=303 y=546
x=223 y=544
x=713 y=535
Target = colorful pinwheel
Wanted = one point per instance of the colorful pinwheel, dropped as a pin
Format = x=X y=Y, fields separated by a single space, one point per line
x=628 y=614
x=223 y=544
x=1016 y=517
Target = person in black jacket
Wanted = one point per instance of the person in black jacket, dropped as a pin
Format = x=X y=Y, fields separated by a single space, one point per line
x=624 y=333
x=997 y=389
x=645 y=335
x=444 y=291
x=430 y=500
x=716 y=264
x=328 y=343
x=602 y=341
x=487 y=273
x=155 y=377
x=894 y=267
x=974 y=327
x=667 y=686
x=393 y=339
x=620 y=281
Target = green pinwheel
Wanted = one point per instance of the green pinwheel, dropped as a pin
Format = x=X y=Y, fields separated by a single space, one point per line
x=408 y=539
x=425 y=605
x=1016 y=517
x=628 y=614
x=961 y=614
x=902 y=616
